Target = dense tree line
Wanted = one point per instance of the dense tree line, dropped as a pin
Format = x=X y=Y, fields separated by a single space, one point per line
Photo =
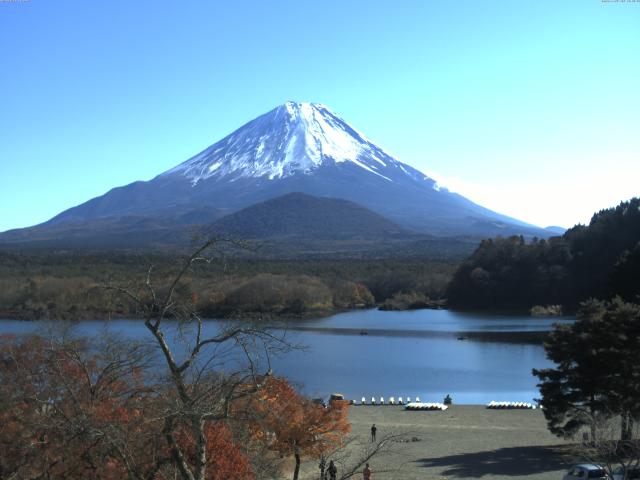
x=599 y=260
x=71 y=286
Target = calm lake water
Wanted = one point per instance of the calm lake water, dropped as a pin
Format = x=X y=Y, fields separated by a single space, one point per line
x=425 y=353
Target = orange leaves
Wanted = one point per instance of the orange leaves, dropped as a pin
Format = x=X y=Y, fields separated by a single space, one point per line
x=69 y=410
x=65 y=411
x=226 y=461
x=293 y=421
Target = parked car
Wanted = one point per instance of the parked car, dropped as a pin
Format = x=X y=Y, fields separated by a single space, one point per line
x=586 y=471
x=632 y=474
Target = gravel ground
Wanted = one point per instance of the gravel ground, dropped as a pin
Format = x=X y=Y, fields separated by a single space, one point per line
x=467 y=441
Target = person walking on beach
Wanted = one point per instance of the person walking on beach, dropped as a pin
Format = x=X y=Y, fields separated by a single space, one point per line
x=366 y=473
x=332 y=470
x=373 y=432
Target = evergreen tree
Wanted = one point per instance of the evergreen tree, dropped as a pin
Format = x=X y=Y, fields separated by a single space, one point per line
x=597 y=372
x=600 y=260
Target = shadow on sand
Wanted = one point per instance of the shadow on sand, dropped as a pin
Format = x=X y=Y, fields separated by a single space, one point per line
x=513 y=461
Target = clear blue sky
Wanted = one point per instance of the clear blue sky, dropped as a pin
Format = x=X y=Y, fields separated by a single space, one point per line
x=529 y=108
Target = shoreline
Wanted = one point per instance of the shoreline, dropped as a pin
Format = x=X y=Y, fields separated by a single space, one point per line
x=40 y=315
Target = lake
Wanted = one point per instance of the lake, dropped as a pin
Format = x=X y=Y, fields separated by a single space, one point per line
x=475 y=358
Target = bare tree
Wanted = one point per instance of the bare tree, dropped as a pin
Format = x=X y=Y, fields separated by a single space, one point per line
x=606 y=447
x=211 y=370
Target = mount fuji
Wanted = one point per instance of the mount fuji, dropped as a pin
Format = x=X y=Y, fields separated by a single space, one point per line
x=296 y=147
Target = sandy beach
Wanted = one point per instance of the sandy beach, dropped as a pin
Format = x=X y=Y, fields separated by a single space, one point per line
x=467 y=441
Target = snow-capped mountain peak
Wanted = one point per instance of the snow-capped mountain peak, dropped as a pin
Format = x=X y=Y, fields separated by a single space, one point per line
x=296 y=148
x=294 y=138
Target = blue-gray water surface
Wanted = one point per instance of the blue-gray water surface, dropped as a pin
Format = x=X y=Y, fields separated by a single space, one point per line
x=426 y=353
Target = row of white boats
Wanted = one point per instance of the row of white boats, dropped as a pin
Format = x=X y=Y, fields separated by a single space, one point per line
x=418 y=405
x=389 y=401
x=426 y=406
x=510 y=405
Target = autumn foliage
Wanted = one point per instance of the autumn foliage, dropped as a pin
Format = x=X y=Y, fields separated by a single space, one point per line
x=68 y=412
x=227 y=460
x=293 y=425
x=72 y=410
x=295 y=421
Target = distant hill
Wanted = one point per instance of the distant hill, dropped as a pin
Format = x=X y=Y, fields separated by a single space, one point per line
x=599 y=260
x=305 y=216
x=555 y=230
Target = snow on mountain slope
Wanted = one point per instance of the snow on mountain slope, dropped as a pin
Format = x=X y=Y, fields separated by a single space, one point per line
x=293 y=138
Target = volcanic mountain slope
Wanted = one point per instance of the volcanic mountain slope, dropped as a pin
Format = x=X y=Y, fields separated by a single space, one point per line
x=297 y=147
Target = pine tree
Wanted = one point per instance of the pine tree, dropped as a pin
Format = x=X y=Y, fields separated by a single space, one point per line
x=597 y=372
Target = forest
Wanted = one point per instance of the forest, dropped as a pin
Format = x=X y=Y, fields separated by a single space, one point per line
x=599 y=260
x=72 y=285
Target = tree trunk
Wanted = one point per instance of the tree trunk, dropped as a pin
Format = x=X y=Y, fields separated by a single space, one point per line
x=296 y=471
x=626 y=426
x=201 y=448
x=593 y=421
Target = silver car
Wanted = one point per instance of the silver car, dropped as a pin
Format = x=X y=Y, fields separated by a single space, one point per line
x=586 y=471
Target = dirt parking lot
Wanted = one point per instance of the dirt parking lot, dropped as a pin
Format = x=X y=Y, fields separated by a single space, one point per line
x=465 y=441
